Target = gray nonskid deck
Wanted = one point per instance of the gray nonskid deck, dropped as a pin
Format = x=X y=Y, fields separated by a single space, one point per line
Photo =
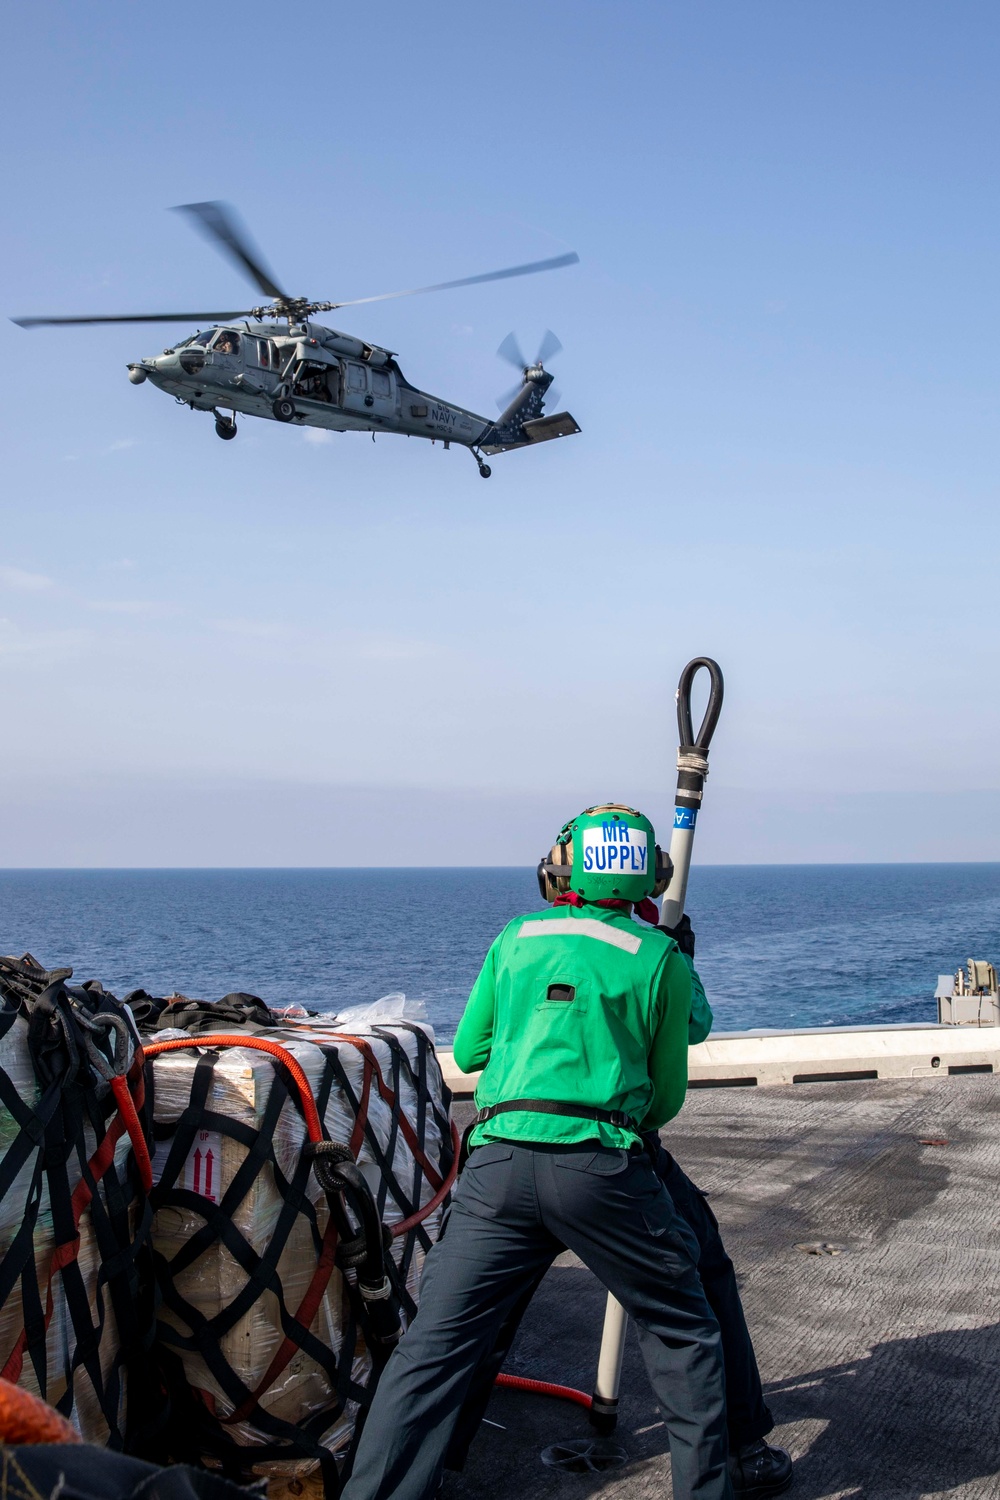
x=880 y=1364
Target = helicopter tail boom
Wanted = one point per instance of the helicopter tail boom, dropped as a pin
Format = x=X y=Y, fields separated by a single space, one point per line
x=523 y=421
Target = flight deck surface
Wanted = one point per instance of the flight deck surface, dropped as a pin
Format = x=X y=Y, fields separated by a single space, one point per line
x=880 y=1363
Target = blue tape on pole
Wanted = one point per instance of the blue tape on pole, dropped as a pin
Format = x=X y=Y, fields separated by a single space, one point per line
x=684 y=817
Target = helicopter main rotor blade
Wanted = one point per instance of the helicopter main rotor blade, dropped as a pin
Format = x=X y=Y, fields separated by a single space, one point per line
x=569 y=259
x=218 y=222
x=192 y=317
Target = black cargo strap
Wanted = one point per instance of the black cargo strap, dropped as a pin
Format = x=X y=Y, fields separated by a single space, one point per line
x=615 y=1117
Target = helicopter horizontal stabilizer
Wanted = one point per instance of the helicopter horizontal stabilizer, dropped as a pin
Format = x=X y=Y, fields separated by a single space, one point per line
x=526 y=434
x=560 y=424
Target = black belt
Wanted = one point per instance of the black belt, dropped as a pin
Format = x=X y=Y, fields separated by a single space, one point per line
x=615 y=1117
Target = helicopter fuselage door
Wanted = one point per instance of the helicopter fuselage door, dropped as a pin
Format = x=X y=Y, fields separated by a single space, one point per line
x=383 y=392
x=261 y=363
x=356 y=396
x=369 y=392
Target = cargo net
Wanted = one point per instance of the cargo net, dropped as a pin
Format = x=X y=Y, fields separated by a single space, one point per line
x=262 y=1336
x=73 y=1216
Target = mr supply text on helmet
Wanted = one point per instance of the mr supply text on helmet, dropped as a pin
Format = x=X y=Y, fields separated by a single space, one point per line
x=614 y=848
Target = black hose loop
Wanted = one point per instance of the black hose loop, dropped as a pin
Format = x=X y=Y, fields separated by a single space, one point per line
x=326 y=1157
x=339 y=1175
x=367 y=1252
x=352 y=1253
x=685 y=729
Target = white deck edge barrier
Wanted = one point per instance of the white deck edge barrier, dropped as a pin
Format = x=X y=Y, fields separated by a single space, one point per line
x=732 y=1059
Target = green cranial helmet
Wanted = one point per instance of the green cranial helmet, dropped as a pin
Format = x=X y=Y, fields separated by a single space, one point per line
x=614 y=853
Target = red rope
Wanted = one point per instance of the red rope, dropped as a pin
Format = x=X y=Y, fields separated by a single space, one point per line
x=544 y=1388
x=314 y=1128
x=405 y=1225
x=304 y=1314
x=389 y=1097
x=25 y=1418
x=361 y=1117
x=130 y=1118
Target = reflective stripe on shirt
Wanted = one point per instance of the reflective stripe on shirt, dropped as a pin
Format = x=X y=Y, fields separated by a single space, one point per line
x=582 y=927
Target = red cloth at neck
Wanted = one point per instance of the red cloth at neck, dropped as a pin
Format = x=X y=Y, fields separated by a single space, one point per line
x=646 y=909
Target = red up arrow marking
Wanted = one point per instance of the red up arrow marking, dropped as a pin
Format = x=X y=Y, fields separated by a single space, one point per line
x=197 y=1171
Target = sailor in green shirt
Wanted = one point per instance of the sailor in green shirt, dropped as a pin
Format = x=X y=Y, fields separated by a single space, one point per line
x=524 y=1024
x=757 y=1469
x=580 y=1019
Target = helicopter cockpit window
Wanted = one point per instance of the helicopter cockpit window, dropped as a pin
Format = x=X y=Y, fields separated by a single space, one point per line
x=204 y=339
x=228 y=342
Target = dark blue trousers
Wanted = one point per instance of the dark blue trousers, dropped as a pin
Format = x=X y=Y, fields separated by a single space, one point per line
x=747 y=1415
x=516 y=1207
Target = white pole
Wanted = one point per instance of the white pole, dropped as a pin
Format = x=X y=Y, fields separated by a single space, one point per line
x=681 y=844
x=604 y=1407
x=692 y=768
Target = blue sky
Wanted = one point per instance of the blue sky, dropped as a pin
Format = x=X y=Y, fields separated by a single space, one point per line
x=780 y=344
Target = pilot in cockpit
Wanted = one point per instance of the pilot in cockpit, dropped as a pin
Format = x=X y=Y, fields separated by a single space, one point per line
x=227 y=342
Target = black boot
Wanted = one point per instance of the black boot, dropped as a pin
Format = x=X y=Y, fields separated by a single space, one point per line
x=757 y=1469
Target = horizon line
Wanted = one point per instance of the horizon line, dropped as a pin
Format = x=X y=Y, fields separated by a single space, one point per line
x=817 y=864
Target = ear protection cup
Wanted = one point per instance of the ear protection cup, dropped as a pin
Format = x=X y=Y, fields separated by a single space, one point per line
x=550 y=879
x=664 y=872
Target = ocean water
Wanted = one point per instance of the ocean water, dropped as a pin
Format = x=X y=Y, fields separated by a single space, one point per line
x=805 y=945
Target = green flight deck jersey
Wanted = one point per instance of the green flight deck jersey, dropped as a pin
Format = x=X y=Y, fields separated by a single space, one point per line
x=581 y=1005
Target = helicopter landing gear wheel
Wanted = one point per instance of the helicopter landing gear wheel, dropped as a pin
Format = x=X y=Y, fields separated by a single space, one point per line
x=225 y=428
x=485 y=471
x=283 y=409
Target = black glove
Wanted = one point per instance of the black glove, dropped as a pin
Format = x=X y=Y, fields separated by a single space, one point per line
x=682 y=935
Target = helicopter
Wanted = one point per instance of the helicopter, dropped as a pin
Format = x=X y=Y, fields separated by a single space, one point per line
x=275 y=362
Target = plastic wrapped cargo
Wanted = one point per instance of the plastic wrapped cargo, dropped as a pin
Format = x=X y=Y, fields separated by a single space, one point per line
x=70 y=1214
x=259 y=1327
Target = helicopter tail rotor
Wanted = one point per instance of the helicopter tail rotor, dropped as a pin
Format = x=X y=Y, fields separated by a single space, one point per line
x=511 y=351
x=533 y=373
x=523 y=419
